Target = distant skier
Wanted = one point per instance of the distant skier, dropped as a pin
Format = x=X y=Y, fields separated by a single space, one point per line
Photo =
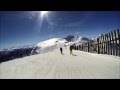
x=61 y=50
x=71 y=48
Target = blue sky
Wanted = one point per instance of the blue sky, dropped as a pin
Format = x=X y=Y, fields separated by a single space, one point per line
x=19 y=28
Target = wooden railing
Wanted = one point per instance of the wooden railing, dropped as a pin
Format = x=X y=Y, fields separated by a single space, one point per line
x=105 y=44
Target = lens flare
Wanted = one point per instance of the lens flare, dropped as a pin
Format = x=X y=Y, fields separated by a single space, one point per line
x=43 y=13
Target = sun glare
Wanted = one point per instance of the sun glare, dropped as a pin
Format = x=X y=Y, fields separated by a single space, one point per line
x=43 y=13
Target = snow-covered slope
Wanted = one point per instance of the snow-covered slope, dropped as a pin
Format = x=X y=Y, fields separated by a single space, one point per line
x=53 y=65
x=48 y=45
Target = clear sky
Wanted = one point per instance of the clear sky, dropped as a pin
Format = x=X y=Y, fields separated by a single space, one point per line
x=19 y=28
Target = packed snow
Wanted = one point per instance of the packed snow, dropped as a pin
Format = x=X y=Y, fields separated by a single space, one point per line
x=53 y=65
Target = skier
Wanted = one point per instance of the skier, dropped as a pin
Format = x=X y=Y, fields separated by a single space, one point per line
x=61 y=50
x=71 y=48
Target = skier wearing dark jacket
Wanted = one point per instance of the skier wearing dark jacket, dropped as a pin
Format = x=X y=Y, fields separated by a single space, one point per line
x=71 y=47
x=61 y=50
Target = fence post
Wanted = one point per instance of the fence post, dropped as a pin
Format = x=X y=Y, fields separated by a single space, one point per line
x=106 y=42
x=110 y=44
x=102 y=43
x=82 y=47
x=118 y=31
x=98 y=46
x=113 y=44
x=107 y=45
x=75 y=47
x=116 y=53
x=79 y=47
x=88 y=46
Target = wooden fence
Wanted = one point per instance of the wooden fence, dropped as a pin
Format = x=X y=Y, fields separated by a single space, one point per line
x=106 y=44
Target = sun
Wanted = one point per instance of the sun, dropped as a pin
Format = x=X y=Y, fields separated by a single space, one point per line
x=43 y=13
x=41 y=16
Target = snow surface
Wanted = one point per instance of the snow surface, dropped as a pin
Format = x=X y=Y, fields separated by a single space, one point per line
x=53 y=65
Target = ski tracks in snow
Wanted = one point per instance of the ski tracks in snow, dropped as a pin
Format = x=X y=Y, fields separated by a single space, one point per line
x=53 y=65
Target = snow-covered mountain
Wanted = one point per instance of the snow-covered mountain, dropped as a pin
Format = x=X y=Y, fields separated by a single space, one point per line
x=69 y=38
x=77 y=39
x=49 y=45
